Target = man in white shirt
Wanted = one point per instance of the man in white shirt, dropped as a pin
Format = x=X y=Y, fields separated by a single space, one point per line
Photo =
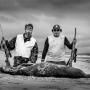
x=25 y=45
x=55 y=46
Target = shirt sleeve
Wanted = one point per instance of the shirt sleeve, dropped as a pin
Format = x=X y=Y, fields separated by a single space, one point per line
x=34 y=53
x=11 y=44
x=67 y=43
x=45 y=50
x=0 y=46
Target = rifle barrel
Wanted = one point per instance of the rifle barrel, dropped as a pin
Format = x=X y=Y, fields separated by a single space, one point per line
x=73 y=52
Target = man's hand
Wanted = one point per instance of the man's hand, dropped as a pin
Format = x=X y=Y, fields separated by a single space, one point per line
x=42 y=60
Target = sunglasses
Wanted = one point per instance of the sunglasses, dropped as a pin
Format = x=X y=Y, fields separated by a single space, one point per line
x=56 y=30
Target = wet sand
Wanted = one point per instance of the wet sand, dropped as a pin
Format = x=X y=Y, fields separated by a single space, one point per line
x=10 y=82
x=16 y=82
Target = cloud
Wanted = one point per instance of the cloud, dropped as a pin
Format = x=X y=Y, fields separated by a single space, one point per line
x=40 y=4
x=58 y=8
x=55 y=3
x=8 y=5
x=53 y=8
x=44 y=14
x=7 y=18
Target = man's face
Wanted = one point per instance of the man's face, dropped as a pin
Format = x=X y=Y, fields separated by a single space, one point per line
x=56 y=32
x=28 y=32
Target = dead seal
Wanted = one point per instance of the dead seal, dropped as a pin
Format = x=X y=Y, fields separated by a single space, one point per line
x=46 y=70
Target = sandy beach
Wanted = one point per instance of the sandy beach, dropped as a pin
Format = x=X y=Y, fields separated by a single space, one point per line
x=9 y=82
x=17 y=82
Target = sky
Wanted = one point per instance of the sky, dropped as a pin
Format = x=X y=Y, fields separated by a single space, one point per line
x=43 y=14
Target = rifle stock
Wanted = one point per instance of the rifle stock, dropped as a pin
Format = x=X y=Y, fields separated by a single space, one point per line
x=73 y=52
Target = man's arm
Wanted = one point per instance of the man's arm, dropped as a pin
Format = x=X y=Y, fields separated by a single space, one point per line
x=0 y=46
x=67 y=43
x=34 y=54
x=45 y=50
x=11 y=43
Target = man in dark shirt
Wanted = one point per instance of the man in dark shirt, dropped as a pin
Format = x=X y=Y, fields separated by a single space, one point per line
x=26 y=48
x=55 y=46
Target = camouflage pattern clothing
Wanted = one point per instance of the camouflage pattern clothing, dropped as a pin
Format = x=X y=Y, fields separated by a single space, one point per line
x=18 y=59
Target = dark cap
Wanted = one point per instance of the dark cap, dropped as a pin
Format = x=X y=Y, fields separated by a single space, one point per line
x=57 y=27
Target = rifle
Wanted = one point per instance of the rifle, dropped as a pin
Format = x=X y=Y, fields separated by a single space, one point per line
x=4 y=46
x=73 y=52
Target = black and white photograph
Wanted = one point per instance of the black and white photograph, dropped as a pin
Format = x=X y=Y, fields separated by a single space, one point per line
x=44 y=44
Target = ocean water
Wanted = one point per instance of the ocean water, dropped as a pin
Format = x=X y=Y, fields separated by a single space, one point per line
x=83 y=61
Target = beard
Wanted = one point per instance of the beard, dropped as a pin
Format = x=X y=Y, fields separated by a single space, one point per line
x=28 y=35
